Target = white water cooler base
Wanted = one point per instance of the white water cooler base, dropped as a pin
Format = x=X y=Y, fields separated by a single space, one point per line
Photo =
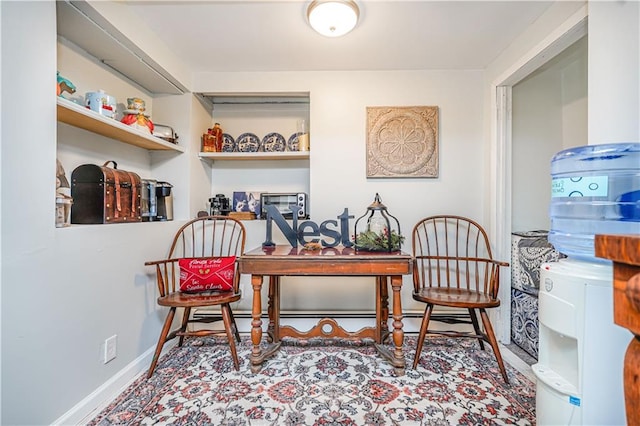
x=555 y=407
x=581 y=351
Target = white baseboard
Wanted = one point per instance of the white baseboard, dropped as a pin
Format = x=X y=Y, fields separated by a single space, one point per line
x=97 y=400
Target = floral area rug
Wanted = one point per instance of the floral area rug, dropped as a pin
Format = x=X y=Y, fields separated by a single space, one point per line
x=325 y=383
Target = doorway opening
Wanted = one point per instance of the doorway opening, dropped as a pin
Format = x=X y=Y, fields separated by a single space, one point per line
x=572 y=32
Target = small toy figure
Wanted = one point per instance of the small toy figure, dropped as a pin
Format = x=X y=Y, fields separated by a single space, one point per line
x=64 y=85
x=135 y=116
x=61 y=178
x=139 y=121
x=63 y=199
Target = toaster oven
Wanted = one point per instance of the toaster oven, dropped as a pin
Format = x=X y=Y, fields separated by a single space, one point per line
x=165 y=132
x=283 y=202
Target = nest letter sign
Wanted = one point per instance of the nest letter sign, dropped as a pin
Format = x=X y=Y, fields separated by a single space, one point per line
x=336 y=231
x=379 y=232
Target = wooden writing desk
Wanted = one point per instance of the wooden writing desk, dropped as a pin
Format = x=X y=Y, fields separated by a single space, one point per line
x=284 y=260
x=624 y=251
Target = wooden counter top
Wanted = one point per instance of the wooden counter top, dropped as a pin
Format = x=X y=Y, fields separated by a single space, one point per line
x=624 y=251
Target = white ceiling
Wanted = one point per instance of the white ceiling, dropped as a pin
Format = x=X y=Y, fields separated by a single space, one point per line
x=267 y=35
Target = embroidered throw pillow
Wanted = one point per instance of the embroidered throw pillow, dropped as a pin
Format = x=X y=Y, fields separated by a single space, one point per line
x=207 y=274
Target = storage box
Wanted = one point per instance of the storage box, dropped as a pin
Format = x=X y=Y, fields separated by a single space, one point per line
x=529 y=250
x=525 y=327
x=105 y=195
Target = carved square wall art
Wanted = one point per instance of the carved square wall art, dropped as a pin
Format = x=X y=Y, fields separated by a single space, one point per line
x=402 y=142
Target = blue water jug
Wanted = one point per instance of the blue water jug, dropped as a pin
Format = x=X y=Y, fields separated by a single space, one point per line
x=595 y=189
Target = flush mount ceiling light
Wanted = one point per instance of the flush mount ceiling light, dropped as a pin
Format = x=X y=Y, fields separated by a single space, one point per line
x=333 y=18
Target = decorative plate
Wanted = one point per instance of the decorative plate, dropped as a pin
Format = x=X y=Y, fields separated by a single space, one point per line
x=273 y=142
x=228 y=143
x=248 y=142
x=292 y=143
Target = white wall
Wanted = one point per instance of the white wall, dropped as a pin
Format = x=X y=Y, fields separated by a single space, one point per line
x=65 y=290
x=338 y=102
x=543 y=39
x=72 y=288
x=1 y=139
x=263 y=175
x=528 y=52
x=115 y=14
x=549 y=115
x=614 y=82
x=613 y=43
x=76 y=146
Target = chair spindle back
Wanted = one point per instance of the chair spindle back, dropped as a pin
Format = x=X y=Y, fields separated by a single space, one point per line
x=209 y=236
x=453 y=252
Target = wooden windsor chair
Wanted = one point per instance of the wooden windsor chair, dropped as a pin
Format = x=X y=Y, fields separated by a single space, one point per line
x=454 y=268
x=207 y=237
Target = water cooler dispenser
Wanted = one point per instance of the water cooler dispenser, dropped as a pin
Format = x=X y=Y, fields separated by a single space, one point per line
x=595 y=190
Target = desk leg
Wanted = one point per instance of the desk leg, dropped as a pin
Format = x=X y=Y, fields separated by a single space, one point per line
x=384 y=297
x=396 y=358
x=257 y=354
x=270 y=328
x=378 y=333
x=382 y=310
x=273 y=309
x=398 y=334
x=275 y=312
x=256 y=324
x=631 y=375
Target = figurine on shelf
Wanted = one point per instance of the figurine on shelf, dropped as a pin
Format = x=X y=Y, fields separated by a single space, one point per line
x=64 y=85
x=134 y=115
x=62 y=183
x=63 y=199
x=212 y=140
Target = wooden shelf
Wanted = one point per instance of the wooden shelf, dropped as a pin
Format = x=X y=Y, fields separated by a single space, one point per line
x=82 y=117
x=244 y=156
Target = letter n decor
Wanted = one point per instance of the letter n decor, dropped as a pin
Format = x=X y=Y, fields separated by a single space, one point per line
x=402 y=142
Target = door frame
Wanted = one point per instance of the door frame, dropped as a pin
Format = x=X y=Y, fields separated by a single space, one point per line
x=564 y=36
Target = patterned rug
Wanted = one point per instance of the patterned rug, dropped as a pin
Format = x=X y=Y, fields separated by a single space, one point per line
x=325 y=383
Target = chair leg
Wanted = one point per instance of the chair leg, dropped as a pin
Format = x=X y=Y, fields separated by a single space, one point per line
x=423 y=333
x=235 y=326
x=163 y=338
x=226 y=317
x=185 y=322
x=494 y=343
x=476 y=327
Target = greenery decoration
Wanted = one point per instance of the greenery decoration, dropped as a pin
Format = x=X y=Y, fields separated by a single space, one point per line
x=372 y=241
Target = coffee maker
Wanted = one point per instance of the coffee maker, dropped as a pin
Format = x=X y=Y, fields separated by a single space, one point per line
x=148 y=200
x=219 y=205
x=164 y=201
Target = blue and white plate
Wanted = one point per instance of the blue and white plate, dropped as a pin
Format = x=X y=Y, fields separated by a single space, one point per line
x=248 y=142
x=292 y=143
x=273 y=142
x=228 y=143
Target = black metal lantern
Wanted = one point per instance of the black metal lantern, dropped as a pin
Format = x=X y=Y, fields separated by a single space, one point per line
x=380 y=231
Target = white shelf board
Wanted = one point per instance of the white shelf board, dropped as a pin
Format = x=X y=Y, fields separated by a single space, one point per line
x=79 y=116
x=244 y=156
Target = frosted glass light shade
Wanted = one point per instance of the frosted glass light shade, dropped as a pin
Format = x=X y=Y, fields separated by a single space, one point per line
x=333 y=18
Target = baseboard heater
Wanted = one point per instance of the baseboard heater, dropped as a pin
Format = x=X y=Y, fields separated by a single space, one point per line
x=447 y=317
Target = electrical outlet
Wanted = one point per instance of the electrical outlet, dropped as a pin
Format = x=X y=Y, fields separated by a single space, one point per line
x=110 y=348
